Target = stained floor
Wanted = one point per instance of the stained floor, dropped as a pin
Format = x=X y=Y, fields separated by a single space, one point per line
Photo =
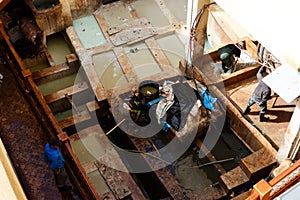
x=279 y=111
x=24 y=140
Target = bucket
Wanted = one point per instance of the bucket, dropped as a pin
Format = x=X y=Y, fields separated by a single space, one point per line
x=148 y=91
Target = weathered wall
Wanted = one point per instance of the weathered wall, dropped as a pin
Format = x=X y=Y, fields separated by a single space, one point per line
x=81 y=8
x=60 y=15
x=52 y=19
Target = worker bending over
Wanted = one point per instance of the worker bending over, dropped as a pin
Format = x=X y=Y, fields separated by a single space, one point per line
x=260 y=96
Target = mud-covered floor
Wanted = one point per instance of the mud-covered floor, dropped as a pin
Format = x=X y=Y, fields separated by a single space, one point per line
x=279 y=111
x=24 y=141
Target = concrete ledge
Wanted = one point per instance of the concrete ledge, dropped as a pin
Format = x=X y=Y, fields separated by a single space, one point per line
x=10 y=187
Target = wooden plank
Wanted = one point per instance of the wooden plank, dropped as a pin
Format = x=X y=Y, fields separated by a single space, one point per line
x=158 y=54
x=102 y=23
x=77 y=88
x=50 y=70
x=233 y=180
x=251 y=48
x=131 y=32
x=92 y=106
x=258 y=164
x=49 y=58
x=162 y=5
x=93 y=78
x=3 y=3
x=141 y=22
x=127 y=68
x=239 y=75
x=72 y=120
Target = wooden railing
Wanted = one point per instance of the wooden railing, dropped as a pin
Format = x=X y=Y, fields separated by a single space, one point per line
x=269 y=190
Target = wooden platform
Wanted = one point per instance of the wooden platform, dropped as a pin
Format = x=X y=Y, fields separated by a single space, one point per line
x=258 y=165
x=234 y=180
x=279 y=112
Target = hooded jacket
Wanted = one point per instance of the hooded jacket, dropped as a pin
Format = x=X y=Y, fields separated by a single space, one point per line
x=53 y=156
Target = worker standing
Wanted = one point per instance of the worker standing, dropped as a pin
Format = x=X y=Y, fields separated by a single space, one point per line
x=260 y=96
x=55 y=161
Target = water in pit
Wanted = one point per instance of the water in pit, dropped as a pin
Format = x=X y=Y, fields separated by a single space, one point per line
x=142 y=60
x=150 y=10
x=38 y=66
x=229 y=146
x=117 y=14
x=86 y=154
x=189 y=176
x=59 y=84
x=172 y=48
x=58 y=48
x=68 y=113
x=89 y=31
x=108 y=70
x=98 y=182
x=178 y=9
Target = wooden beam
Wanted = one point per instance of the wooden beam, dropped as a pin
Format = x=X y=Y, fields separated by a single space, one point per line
x=127 y=68
x=75 y=119
x=3 y=3
x=77 y=88
x=158 y=54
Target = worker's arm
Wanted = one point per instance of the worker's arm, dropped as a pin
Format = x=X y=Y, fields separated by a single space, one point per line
x=260 y=72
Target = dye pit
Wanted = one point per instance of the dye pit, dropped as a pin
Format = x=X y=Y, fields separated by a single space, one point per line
x=56 y=71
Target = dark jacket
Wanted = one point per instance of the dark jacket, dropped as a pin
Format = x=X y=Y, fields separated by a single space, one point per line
x=262 y=92
x=53 y=156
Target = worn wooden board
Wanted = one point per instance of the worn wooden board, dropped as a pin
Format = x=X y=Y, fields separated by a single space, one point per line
x=131 y=32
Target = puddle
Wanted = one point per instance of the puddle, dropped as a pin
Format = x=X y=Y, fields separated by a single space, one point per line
x=86 y=154
x=58 y=84
x=150 y=10
x=142 y=60
x=98 y=182
x=117 y=14
x=178 y=9
x=109 y=70
x=58 y=48
x=173 y=49
x=189 y=176
x=89 y=32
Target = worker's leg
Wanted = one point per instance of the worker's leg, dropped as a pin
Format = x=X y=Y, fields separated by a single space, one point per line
x=249 y=104
x=60 y=178
x=263 y=109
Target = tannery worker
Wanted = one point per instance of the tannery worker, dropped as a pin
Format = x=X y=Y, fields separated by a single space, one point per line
x=260 y=96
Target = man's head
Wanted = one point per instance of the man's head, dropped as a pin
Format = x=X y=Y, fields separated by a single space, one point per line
x=54 y=143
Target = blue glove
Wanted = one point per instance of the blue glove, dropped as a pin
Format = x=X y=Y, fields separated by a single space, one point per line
x=166 y=126
x=154 y=101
